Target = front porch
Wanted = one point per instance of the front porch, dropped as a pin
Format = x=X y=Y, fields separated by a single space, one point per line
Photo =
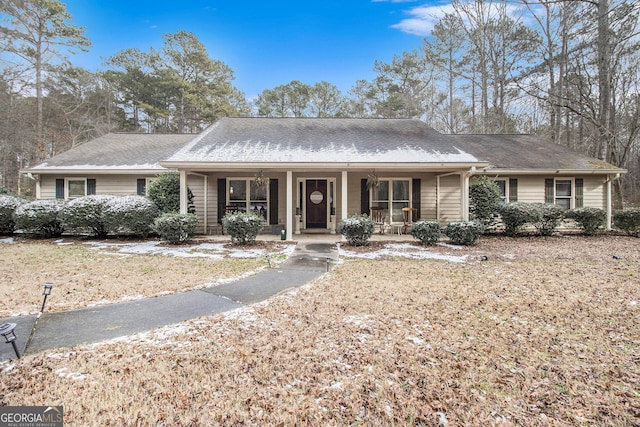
x=312 y=203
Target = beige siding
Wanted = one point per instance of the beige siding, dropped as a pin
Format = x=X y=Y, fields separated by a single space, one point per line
x=595 y=194
x=450 y=199
x=117 y=185
x=531 y=189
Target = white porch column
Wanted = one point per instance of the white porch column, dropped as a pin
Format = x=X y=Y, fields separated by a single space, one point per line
x=289 y=223
x=184 y=193
x=464 y=193
x=343 y=209
x=609 y=203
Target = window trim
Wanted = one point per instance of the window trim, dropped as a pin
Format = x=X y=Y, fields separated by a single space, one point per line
x=572 y=188
x=391 y=200
x=67 y=180
x=247 y=201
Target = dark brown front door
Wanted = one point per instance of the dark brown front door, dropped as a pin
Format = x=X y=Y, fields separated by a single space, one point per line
x=316 y=203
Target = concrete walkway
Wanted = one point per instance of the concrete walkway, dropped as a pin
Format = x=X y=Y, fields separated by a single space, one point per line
x=66 y=329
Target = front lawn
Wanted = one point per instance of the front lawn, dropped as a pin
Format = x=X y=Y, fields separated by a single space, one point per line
x=545 y=332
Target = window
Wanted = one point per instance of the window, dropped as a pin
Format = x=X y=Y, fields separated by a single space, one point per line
x=143 y=185
x=245 y=195
x=76 y=188
x=564 y=193
x=392 y=195
x=504 y=190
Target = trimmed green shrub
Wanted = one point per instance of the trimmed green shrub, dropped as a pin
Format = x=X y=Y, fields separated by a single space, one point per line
x=515 y=215
x=628 y=221
x=464 y=232
x=8 y=206
x=132 y=214
x=428 y=232
x=548 y=218
x=164 y=191
x=484 y=198
x=589 y=219
x=87 y=214
x=176 y=228
x=243 y=227
x=40 y=217
x=357 y=229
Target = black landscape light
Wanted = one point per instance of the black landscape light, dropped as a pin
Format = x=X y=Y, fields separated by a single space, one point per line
x=6 y=330
x=46 y=293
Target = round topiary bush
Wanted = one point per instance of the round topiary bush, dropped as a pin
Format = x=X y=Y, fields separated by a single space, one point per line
x=515 y=215
x=8 y=206
x=464 y=232
x=357 y=229
x=131 y=214
x=427 y=232
x=548 y=218
x=176 y=228
x=590 y=220
x=40 y=217
x=87 y=214
x=628 y=221
x=243 y=227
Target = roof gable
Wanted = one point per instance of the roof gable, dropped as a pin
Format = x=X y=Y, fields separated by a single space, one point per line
x=306 y=140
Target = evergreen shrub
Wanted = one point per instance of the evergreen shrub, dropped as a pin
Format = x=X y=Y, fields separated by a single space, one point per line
x=464 y=232
x=548 y=218
x=589 y=219
x=243 y=227
x=8 y=206
x=87 y=214
x=484 y=198
x=175 y=228
x=516 y=215
x=357 y=229
x=427 y=232
x=628 y=221
x=131 y=214
x=40 y=217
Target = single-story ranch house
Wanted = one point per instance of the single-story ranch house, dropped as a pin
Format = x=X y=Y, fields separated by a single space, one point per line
x=304 y=175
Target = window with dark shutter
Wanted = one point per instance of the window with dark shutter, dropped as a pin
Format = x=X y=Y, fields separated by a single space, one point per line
x=364 y=197
x=91 y=187
x=513 y=190
x=59 y=188
x=273 y=201
x=549 y=191
x=579 y=192
x=141 y=187
x=415 y=198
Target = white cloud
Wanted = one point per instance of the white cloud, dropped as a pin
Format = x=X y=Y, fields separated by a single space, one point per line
x=423 y=19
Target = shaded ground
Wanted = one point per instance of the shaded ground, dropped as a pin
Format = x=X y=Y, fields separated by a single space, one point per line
x=545 y=332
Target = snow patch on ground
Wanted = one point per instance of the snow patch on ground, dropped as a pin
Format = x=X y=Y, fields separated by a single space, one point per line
x=214 y=251
x=403 y=250
x=8 y=241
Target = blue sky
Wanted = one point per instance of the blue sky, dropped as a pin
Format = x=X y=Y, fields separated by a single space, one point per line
x=265 y=43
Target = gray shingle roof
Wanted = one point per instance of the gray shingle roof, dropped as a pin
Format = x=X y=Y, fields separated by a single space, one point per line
x=523 y=152
x=306 y=140
x=119 y=151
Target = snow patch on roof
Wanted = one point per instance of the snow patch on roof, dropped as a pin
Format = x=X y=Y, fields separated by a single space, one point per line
x=260 y=151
